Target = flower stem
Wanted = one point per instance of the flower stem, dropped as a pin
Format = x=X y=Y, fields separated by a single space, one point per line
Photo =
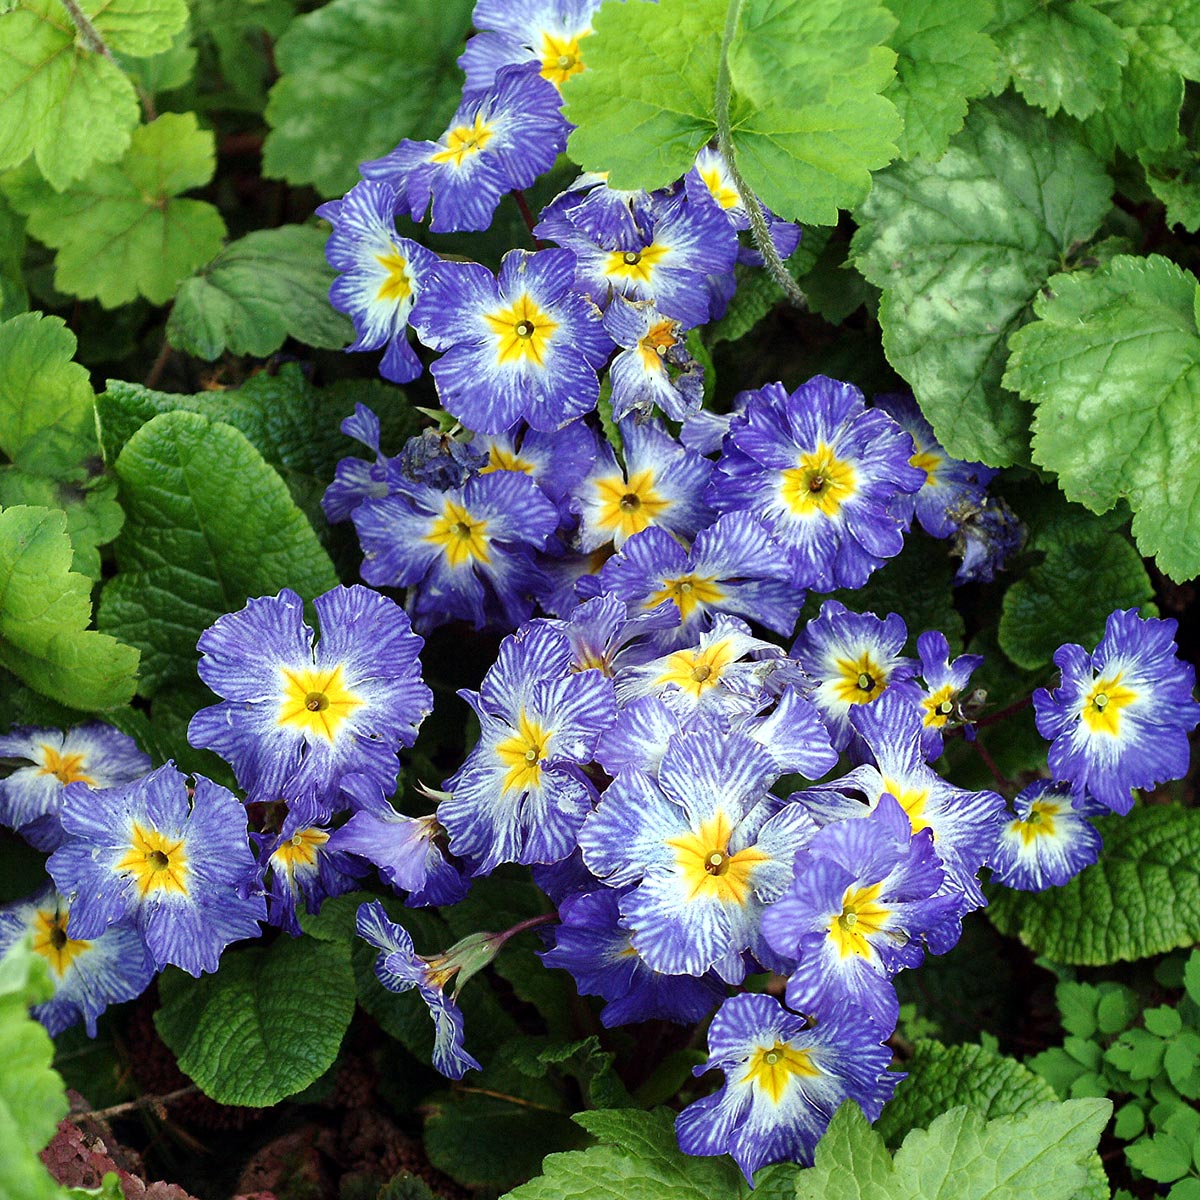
x=754 y=209
x=89 y=35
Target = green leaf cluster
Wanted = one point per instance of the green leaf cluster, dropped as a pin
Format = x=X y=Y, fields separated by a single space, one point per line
x=807 y=121
x=1150 y=1056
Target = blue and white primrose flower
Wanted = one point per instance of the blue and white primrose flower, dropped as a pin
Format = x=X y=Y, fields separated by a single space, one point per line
x=704 y=847
x=88 y=974
x=863 y=895
x=399 y=968
x=521 y=345
x=1050 y=840
x=380 y=274
x=173 y=860
x=521 y=795
x=294 y=719
x=784 y=1080
x=1121 y=716
x=93 y=754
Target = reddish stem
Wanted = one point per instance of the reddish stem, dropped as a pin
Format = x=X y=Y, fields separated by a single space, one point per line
x=1002 y=714
x=527 y=217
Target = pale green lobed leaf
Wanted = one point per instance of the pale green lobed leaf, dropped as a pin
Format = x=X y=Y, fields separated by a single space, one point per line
x=1113 y=365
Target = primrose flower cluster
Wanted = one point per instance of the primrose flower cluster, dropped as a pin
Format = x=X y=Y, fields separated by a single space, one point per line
x=706 y=787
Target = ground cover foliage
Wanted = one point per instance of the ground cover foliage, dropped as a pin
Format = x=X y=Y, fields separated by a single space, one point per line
x=989 y=206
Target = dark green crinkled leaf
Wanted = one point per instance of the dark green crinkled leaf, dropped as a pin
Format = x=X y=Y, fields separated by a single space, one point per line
x=1089 y=569
x=1141 y=898
x=944 y=58
x=45 y=611
x=1142 y=116
x=355 y=77
x=1113 y=365
x=943 y=1077
x=122 y=231
x=266 y=1025
x=262 y=289
x=961 y=247
x=209 y=524
x=1060 y=53
x=14 y=296
x=1174 y=177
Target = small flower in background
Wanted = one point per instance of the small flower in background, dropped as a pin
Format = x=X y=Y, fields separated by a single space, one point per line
x=784 y=1080
x=945 y=682
x=1050 y=840
x=823 y=471
x=733 y=567
x=654 y=366
x=380 y=274
x=399 y=968
x=521 y=796
x=863 y=895
x=94 y=754
x=665 y=257
x=950 y=484
x=1121 y=716
x=661 y=483
x=550 y=33
x=987 y=534
x=302 y=867
x=596 y=949
x=88 y=974
x=296 y=718
x=355 y=479
x=852 y=659
x=467 y=553
x=499 y=140
x=408 y=851
x=522 y=345
x=703 y=848
x=172 y=860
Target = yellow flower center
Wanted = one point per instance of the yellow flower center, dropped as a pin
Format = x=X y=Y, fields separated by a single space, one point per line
x=50 y=940
x=695 y=671
x=66 y=768
x=300 y=850
x=707 y=867
x=561 y=57
x=396 y=286
x=1039 y=823
x=927 y=461
x=156 y=862
x=1102 y=706
x=462 y=538
x=658 y=340
x=687 y=591
x=912 y=800
x=724 y=193
x=859 y=680
x=464 y=141
x=771 y=1069
x=522 y=754
x=523 y=332
x=939 y=707
x=500 y=459
x=635 y=266
x=628 y=506
x=819 y=483
x=315 y=700
x=860 y=917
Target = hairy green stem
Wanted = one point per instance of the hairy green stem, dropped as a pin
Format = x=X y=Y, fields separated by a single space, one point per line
x=89 y=35
x=754 y=210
